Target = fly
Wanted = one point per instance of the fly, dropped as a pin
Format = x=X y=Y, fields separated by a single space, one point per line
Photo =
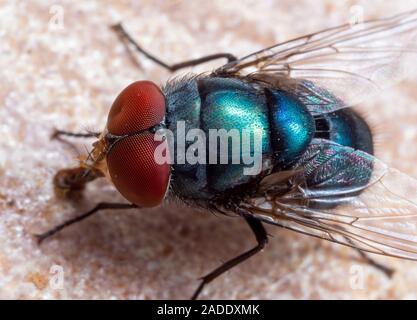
x=317 y=174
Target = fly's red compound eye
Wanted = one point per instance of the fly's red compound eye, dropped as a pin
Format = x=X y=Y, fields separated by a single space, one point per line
x=134 y=171
x=131 y=162
x=138 y=107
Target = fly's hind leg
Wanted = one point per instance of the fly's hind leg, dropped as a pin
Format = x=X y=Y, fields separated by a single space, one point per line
x=262 y=239
x=385 y=269
x=170 y=67
x=99 y=207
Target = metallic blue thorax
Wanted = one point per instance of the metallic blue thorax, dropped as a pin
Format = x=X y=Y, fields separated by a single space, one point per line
x=231 y=103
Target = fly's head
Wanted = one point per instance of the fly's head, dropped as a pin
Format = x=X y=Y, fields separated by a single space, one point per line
x=125 y=152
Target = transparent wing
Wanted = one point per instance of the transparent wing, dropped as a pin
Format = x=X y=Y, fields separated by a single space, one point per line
x=344 y=196
x=350 y=61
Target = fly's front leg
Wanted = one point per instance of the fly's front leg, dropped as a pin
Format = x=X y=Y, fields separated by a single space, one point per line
x=174 y=67
x=101 y=206
x=262 y=239
x=57 y=134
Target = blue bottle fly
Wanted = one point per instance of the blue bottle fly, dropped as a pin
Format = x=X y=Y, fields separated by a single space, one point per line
x=232 y=103
x=317 y=175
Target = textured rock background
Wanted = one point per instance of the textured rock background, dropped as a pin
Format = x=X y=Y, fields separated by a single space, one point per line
x=66 y=72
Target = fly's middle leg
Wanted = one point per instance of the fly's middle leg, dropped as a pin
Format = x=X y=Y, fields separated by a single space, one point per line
x=170 y=67
x=262 y=239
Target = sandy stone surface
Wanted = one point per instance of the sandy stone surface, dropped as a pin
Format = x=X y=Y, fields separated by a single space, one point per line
x=61 y=66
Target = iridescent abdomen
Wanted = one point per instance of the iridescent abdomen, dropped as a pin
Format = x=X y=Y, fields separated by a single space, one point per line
x=346 y=128
x=287 y=129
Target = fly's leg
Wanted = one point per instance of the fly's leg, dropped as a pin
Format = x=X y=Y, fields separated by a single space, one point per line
x=174 y=67
x=386 y=270
x=57 y=134
x=101 y=206
x=262 y=239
